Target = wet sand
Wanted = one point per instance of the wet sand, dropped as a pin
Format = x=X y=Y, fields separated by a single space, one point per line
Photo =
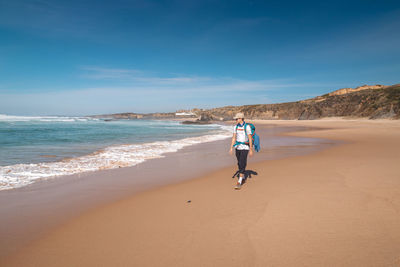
x=334 y=207
x=29 y=212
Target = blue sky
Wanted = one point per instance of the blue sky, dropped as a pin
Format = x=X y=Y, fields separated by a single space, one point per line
x=95 y=57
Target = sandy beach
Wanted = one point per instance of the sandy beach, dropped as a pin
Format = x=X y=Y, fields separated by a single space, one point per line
x=336 y=207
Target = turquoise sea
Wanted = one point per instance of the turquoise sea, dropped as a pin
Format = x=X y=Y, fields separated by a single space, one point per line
x=34 y=148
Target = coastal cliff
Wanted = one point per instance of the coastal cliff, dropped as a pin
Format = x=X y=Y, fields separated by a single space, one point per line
x=372 y=102
x=367 y=101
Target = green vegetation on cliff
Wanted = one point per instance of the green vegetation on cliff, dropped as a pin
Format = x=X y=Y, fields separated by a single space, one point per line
x=374 y=103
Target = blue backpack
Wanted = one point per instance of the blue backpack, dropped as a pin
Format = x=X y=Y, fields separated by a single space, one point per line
x=254 y=137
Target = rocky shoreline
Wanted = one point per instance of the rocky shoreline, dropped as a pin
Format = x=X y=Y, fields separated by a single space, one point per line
x=373 y=102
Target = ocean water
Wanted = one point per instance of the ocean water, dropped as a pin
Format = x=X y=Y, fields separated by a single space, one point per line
x=37 y=148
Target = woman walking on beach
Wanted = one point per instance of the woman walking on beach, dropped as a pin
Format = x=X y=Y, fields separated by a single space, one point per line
x=242 y=142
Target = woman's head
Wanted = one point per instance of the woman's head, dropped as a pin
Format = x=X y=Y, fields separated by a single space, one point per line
x=239 y=117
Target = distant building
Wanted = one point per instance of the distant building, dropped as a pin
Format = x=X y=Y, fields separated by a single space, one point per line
x=185 y=114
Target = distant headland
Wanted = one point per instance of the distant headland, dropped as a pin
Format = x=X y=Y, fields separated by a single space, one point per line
x=367 y=101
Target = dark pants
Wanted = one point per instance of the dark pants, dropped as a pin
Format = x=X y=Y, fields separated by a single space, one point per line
x=241 y=156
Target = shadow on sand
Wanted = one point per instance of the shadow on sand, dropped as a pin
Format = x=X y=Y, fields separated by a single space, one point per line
x=247 y=174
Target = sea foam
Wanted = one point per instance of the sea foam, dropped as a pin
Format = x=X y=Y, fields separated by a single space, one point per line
x=11 y=118
x=116 y=156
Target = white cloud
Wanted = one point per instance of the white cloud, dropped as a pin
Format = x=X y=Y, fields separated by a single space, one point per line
x=130 y=90
x=138 y=76
x=138 y=80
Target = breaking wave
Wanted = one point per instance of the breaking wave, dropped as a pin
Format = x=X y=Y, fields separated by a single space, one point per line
x=116 y=156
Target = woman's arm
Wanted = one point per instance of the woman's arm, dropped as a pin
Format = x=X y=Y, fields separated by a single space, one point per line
x=232 y=143
x=250 y=142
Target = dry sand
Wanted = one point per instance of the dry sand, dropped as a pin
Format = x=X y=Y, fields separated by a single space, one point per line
x=336 y=207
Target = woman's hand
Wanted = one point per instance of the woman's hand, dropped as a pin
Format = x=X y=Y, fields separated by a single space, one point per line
x=231 y=151
x=251 y=152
